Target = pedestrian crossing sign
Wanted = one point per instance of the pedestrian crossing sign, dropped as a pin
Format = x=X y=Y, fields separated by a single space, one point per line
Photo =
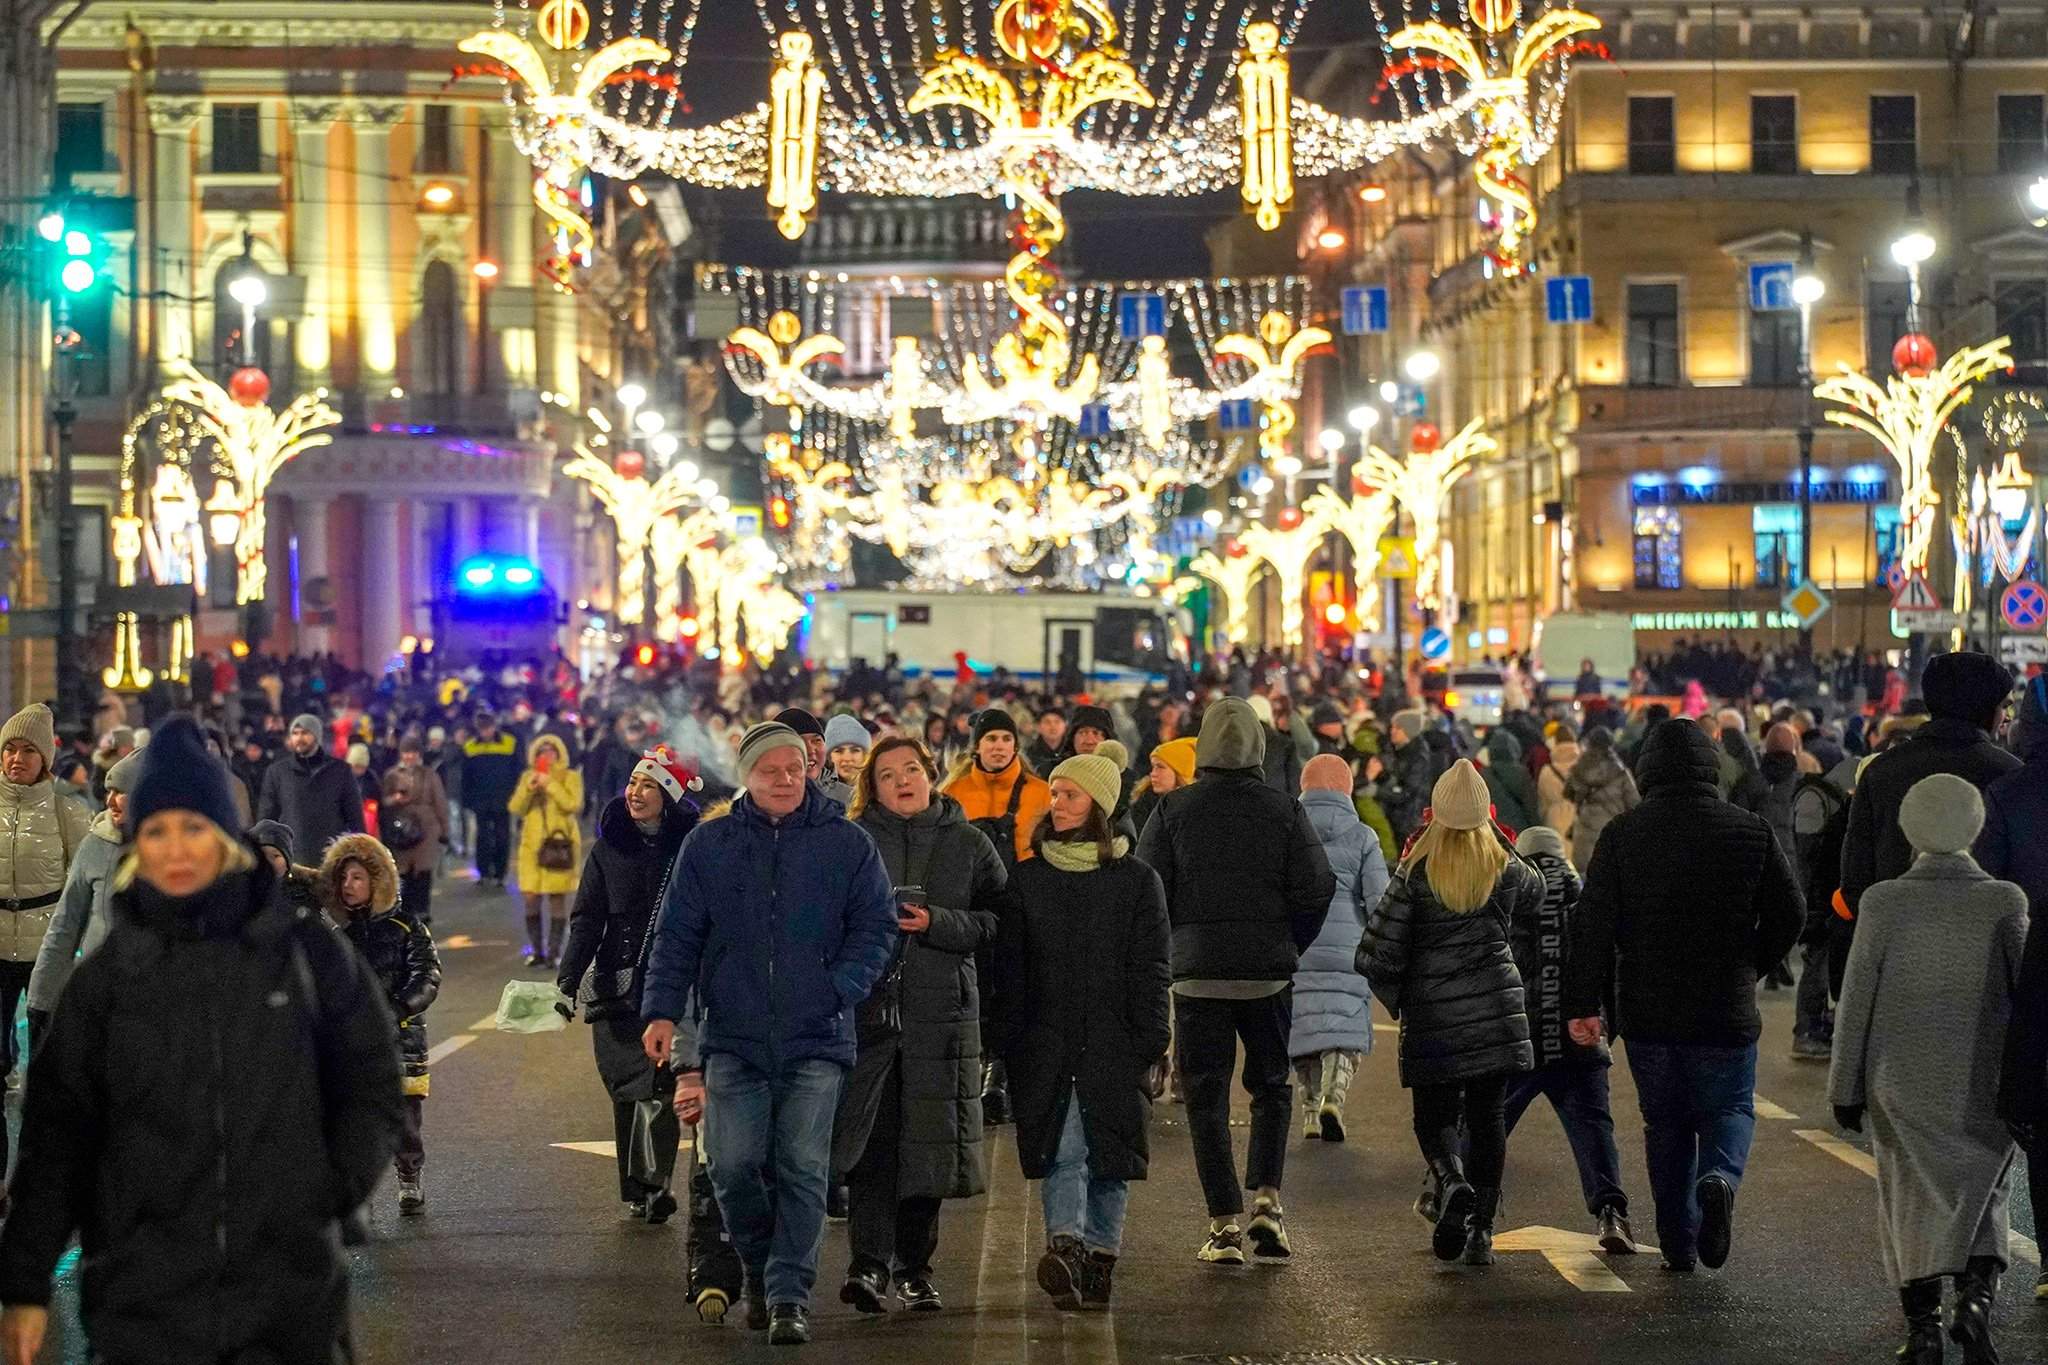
x=1397 y=557
x=1915 y=595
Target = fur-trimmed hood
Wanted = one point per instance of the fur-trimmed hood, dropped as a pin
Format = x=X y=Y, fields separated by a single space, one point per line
x=373 y=855
x=546 y=741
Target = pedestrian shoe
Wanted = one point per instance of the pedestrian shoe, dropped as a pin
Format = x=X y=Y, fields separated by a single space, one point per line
x=634 y=1210
x=1811 y=1050
x=2040 y=1281
x=1098 y=1274
x=1454 y=1206
x=411 y=1198
x=1683 y=1265
x=919 y=1295
x=1921 y=1301
x=836 y=1203
x=1332 y=1123
x=757 y=1302
x=867 y=1290
x=1311 y=1127
x=1223 y=1248
x=661 y=1207
x=1717 y=1219
x=1478 y=1248
x=1616 y=1238
x=1268 y=1233
x=535 y=960
x=712 y=1303
x=789 y=1325
x=1427 y=1204
x=1969 y=1324
x=1059 y=1272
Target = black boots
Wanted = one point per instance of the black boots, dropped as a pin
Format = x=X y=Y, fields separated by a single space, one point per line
x=1454 y=1206
x=1479 y=1228
x=1061 y=1272
x=1921 y=1300
x=995 y=1094
x=1098 y=1279
x=1970 y=1321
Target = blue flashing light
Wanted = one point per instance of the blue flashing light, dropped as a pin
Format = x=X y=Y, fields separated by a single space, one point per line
x=1865 y=473
x=1699 y=476
x=519 y=575
x=497 y=576
x=1649 y=479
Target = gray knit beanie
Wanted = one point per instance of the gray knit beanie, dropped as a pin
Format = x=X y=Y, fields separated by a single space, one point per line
x=122 y=776
x=308 y=722
x=1941 y=814
x=762 y=739
x=35 y=724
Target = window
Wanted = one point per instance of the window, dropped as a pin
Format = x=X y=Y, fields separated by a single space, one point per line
x=1885 y=312
x=1774 y=347
x=1884 y=531
x=1776 y=527
x=437 y=139
x=81 y=141
x=237 y=138
x=1658 y=548
x=1652 y=335
x=439 y=367
x=1894 y=135
x=2020 y=311
x=2021 y=120
x=1773 y=135
x=1652 y=139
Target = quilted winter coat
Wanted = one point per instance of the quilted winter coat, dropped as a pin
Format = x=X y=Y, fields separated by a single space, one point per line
x=1332 y=1002
x=398 y=948
x=39 y=833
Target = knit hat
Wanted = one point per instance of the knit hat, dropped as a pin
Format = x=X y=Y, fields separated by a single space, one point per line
x=122 y=776
x=846 y=729
x=1325 y=714
x=35 y=724
x=308 y=722
x=1231 y=737
x=1092 y=718
x=1096 y=775
x=1179 y=755
x=669 y=772
x=179 y=774
x=799 y=720
x=359 y=756
x=992 y=720
x=1326 y=773
x=1459 y=799
x=436 y=736
x=1262 y=707
x=762 y=739
x=1966 y=686
x=1941 y=814
x=1115 y=752
x=1409 y=723
x=1542 y=839
x=273 y=834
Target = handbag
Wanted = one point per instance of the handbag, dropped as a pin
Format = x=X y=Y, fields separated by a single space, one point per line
x=641 y=1163
x=557 y=852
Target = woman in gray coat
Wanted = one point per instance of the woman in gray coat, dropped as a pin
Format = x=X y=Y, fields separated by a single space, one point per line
x=1599 y=788
x=1918 y=1035
x=80 y=924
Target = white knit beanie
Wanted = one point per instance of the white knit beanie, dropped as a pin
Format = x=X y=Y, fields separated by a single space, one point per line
x=1941 y=814
x=1459 y=800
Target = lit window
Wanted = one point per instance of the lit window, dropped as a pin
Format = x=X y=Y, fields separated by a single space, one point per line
x=1776 y=527
x=1659 y=548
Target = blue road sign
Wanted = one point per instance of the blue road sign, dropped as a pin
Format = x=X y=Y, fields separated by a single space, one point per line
x=1770 y=287
x=1410 y=401
x=2024 y=606
x=1435 y=643
x=1248 y=476
x=1095 y=420
x=1236 y=415
x=1141 y=315
x=1365 y=309
x=1568 y=299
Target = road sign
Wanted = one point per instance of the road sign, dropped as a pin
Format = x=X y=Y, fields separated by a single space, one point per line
x=1094 y=420
x=2024 y=605
x=1926 y=622
x=1915 y=596
x=1435 y=643
x=1410 y=402
x=1397 y=556
x=2023 y=649
x=1365 y=309
x=1235 y=414
x=24 y=623
x=1770 y=287
x=1568 y=299
x=1141 y=315
x=1807 y=602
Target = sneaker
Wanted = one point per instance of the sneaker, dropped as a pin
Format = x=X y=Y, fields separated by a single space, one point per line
x=712 y=1303
x=1616 y=1237
x=1332 y=1119
x=535 y=960
x=788 y=1325
x=634 y=1210
x=1311 y=1129
x=1717 y=1220
x=1223 y=1248
x=867 y=1290
x=661 y=1207
x=1059 y=1273
x=411 y=1198
x=919 y=1295
x=1268 y=1233
x=1811 y=1050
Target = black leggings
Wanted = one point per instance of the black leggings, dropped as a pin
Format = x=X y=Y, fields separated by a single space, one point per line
x=1481 y=1103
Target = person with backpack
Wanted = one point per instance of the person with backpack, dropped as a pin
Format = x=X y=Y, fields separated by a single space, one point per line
x=413 y=823
x=1820 y=820
x=547 y=801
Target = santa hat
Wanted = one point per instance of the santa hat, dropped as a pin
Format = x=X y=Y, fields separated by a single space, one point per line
x=668 y=771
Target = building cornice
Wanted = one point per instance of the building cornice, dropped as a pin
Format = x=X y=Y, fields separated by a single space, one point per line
x=279 y=23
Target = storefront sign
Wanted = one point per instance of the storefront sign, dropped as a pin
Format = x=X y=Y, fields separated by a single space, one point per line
x=1672 y=494
x=1714 y=620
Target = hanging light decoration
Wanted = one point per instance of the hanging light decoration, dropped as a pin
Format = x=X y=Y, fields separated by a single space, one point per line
x=795 y=92
x=1265 y=105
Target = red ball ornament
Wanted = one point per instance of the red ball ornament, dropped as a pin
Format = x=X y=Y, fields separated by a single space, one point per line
x=629 y=464
x=1235 y=549
x=1290 y=517
x=1914 y=355
x=249 y=386
x=1363 y=486
x=1425 y=437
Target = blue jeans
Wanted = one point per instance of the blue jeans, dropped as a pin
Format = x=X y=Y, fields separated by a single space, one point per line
x=761 y=1128
x=1079 y=1205
x=1699 y=1114
x=1579 y=1095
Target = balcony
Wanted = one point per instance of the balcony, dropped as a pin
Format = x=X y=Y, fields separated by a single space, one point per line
x=1613 y=409
x=501 y=414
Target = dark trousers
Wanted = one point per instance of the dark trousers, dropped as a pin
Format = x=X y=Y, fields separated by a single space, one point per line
x=713 y=1262
x=412 y=1143
x=1810 y=1016
x=1206 y=1035
x=493 y=843
x=13 y=985
x=1480 y=1103
x=887 y=1230
x=1699 y=1114
x=416 y=895
x=1579 y=1095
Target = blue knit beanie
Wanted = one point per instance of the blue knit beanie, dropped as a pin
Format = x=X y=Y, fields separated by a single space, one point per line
x=180 y=773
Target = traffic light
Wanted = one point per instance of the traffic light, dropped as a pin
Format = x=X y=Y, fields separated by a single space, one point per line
x=779 y=515
x=644 y=656
x=76 y=251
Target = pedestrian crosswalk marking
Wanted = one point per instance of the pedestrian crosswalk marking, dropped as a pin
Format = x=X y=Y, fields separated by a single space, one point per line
x=606 y=1148
x=1586 y=1272
x=449 y=1046
x=1574 y=1255
x=1841 y=1151
x=1766 y=1110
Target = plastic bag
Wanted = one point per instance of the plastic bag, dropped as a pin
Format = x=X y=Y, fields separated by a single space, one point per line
x=529 y=1007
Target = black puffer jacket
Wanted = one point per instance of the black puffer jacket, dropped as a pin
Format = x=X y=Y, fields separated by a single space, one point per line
x=936 y=1000
x=1876 y=849
x=616 y=902
x=1081 y=1005
x=1688 y=900
x=1407 y=775
x=1451 y=978
x=217 y=1089
x=317 y=798
x=1247 y=882
x=397 y=947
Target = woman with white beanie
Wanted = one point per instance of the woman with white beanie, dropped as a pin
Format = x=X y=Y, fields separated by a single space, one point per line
x=1440 y=956
x=1925 y=1005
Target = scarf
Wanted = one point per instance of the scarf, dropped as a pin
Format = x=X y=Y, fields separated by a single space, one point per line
x=1068 y=856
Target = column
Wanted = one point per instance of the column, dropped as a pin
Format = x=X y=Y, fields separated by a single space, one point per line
x=309 y=521
x=383 y=583
x=466 y=529
x=427 y=570
x=376 y=326
x=312 y=245
x=526 y=518
x=171 y=268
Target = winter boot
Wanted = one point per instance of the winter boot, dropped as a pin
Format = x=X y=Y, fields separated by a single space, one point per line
x=1479 y=1228
x=1970 y=1320
x=995 y=1094
x=1454 y=1206
x=1060 y=1271
x=1098 y=1274
x=1338 y=1068
x=1921 y=1300
x=1309 y=1073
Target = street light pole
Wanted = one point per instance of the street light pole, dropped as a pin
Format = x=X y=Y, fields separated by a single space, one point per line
x=1807 y=289
x=70 y=669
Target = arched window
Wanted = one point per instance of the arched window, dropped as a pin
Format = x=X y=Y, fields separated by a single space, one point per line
x=438 y=367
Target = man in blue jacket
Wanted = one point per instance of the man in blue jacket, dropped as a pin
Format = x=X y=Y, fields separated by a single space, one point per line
x=780 y=916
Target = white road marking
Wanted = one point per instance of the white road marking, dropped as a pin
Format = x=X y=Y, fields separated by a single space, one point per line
x=1574 y=1255
x=1766 y=1110
x=1847 y=1153
x=605 y=1148
x=487 y=1024
x=2023 y=1246
x=447 y=1047
x=999 y=1331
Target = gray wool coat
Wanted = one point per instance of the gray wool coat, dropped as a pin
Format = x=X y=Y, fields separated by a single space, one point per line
x=1919 y=1039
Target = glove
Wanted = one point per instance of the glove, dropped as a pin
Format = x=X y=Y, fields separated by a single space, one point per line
x=566 y=1008
x=1849 y=1117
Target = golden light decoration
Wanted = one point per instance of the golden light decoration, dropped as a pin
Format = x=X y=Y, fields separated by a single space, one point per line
x=1287 y=550
x=1362 y=519
x=634 y=506
x=1422 y=484
x=686 y=545
x=1155 y=391
x=1265 y=109
x=783 y=351
x=748 y=597
x=816 y=496
x=1274 y=355
x=796 y=91
x=127 y=673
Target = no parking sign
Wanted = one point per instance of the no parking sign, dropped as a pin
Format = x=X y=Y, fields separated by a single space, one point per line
x=2024 y=605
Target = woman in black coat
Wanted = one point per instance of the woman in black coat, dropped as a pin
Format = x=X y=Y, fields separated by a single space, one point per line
x=1440 y=956
x=1081 y=1016
x=908 y=1132
x=617 y=899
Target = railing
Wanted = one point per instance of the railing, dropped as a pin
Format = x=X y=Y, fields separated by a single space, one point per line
x=1622 y=407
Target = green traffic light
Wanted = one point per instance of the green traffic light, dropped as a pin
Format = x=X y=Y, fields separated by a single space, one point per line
x=77 y=276
x=51 y=226
x=77 y=243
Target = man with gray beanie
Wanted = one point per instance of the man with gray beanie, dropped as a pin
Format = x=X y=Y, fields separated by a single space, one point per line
x=40 y=834
x=779 y=918
x=311 y=792
x=1402 y=780
x=1247 y=889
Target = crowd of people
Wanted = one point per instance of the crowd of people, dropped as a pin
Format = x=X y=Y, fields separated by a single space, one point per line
x=844 y=931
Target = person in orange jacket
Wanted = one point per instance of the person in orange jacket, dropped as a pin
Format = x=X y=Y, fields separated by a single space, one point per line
x=1001 y=796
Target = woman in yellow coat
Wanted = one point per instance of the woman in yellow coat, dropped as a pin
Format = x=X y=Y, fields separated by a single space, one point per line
x=547 y=801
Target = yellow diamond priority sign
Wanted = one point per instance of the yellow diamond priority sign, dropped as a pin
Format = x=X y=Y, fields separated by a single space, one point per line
x=1807 y=603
